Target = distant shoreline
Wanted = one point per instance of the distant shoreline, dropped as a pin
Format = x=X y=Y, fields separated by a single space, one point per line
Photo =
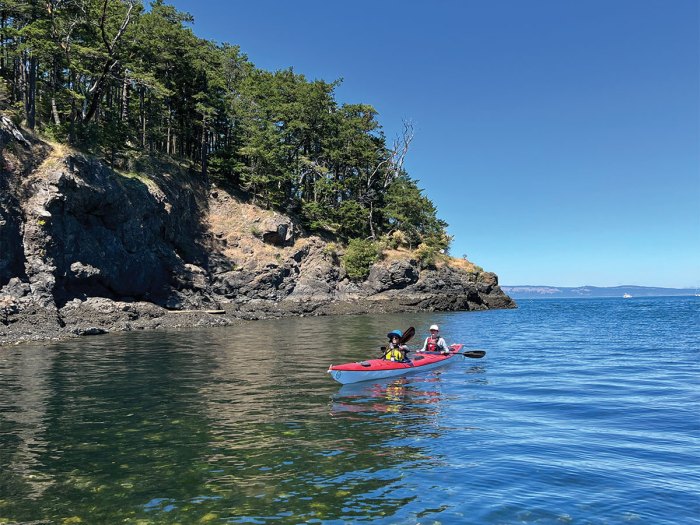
x=592 y=292
x=559 y=297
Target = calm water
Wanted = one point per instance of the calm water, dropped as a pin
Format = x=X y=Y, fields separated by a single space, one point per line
x=583 y=411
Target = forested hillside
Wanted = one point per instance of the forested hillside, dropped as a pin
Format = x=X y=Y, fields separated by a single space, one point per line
x=116 y=77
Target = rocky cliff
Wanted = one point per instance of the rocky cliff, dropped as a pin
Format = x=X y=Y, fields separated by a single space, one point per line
x=86 y=249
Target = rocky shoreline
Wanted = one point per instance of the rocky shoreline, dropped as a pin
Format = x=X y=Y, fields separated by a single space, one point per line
x=86 y=249
x=96 y=316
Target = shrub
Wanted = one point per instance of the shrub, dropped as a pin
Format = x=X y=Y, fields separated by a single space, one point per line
x=359 y=257
x=427 y=255
x=396 y=240
x=331 y=250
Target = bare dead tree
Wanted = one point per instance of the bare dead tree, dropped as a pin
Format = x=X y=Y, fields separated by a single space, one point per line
x=398 y=153
x=391 y=166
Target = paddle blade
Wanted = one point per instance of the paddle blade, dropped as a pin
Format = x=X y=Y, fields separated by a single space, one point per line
x=407 y=335
x=476 y=354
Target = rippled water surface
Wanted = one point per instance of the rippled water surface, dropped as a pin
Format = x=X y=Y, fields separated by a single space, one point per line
x=583 y=411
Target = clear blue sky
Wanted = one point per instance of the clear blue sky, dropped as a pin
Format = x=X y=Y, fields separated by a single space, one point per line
x=560 y=140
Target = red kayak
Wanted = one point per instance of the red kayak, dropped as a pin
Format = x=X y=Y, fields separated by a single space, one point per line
x=382 y=368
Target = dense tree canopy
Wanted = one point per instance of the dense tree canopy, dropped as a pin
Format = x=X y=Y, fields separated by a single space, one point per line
x=113 y=76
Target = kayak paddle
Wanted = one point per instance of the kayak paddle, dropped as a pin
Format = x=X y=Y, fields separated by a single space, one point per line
x=475 y=354
x=407 y=335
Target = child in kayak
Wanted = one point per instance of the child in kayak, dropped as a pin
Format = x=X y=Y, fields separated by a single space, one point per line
x=435 y=343
x=395 y=351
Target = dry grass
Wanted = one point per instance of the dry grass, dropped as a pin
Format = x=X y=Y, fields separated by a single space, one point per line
x=57 y=153
x=462 y=264
x=440 y=261
x=393 y=254
x=239 y=225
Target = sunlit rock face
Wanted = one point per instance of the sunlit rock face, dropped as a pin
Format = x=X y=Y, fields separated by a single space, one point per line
x=88 y=249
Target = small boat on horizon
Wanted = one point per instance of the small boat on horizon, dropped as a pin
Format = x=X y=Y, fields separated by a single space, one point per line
x=626 y=296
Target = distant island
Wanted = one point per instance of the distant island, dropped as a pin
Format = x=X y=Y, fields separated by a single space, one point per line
x=628 y=291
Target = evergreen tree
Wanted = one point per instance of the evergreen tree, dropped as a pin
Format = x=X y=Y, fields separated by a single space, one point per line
x=111 y=76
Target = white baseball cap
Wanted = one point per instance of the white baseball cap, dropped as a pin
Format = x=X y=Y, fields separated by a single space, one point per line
x=434 y=327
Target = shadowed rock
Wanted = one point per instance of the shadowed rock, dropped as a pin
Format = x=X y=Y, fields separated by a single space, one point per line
x=86 y=250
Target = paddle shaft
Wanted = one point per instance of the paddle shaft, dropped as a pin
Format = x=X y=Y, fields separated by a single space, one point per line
x=407 y=336
x=474 y=354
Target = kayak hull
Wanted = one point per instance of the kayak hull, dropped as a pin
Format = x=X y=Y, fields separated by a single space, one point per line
x=375 y=369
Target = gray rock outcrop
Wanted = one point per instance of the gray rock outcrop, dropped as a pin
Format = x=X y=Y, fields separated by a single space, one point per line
x=85 y=249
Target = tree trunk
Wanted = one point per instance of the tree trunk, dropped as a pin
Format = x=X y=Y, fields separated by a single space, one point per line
x=97 y=92
x=54 y=90
x=17 y=91
x=125 y=97
x=73 y=112
x=142 y=107
x=21 y=82
x=3 y=48
x=98 y=87
x=30 y=104
x=30 y=91
x=167 y=143
x=204 y=152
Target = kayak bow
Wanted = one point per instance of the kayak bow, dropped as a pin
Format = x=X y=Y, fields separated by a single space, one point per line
x=381 y=368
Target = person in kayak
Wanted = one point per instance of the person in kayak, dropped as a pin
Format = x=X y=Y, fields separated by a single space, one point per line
x=435 y=343
x=396 y=351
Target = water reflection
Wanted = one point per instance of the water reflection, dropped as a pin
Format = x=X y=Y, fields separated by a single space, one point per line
x=230 y=425
x=113 y=430
x=22 y=413
x=477 y=375
x=420 y=395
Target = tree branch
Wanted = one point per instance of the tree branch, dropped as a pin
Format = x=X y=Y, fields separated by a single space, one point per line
x=99 y=84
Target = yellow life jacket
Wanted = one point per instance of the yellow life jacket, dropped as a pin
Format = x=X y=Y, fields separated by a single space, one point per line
x=394 y=354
